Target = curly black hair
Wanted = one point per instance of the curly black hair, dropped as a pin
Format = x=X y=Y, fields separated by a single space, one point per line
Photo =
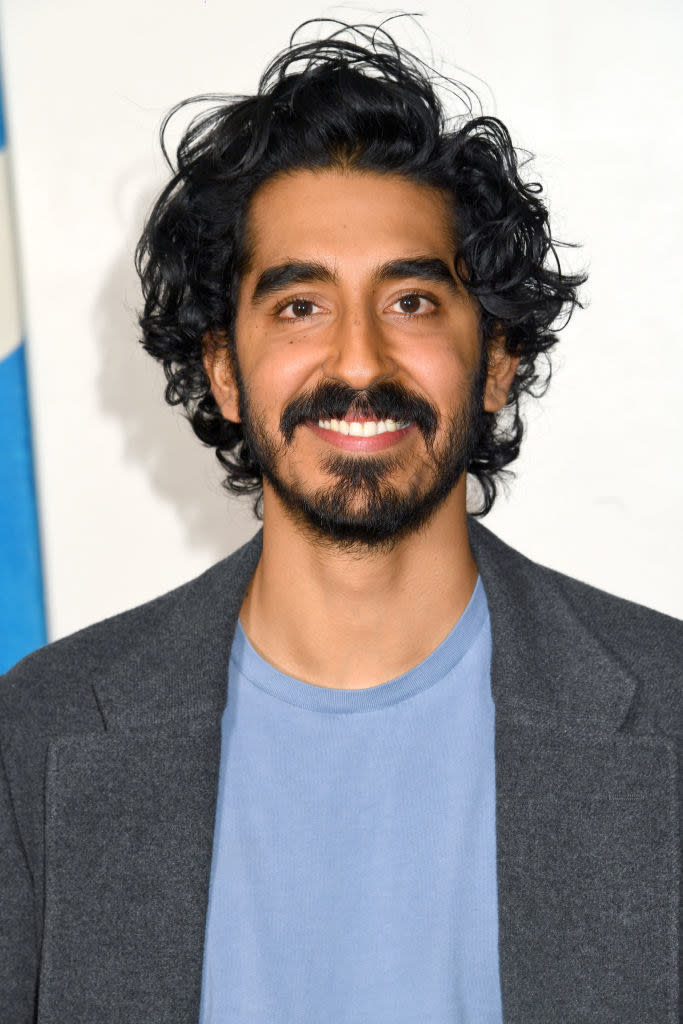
x=361 y=102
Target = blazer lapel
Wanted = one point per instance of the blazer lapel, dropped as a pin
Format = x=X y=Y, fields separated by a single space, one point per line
x=130 y=817
x=586 y=814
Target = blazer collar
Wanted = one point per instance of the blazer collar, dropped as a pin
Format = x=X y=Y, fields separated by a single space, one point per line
x=548 y=659
x=547 y=662
x=172 y=661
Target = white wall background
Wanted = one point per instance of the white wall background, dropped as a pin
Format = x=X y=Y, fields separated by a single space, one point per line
x=130 y=502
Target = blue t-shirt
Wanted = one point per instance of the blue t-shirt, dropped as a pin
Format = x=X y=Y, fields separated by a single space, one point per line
x=354 y=863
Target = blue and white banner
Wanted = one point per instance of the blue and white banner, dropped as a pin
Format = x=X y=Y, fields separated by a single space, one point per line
x=22 y=618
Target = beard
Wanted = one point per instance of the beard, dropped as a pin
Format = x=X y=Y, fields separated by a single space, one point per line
x=363 y=510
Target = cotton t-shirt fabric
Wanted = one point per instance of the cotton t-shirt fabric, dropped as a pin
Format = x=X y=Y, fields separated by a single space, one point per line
x=354 y=863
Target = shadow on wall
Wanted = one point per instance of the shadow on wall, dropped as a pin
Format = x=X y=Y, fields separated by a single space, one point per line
x=156 y=437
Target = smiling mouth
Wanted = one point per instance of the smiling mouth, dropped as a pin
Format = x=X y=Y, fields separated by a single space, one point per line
x=362 y=435
x=363 y=427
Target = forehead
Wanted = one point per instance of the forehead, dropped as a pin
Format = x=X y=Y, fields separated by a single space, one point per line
x=349 y=217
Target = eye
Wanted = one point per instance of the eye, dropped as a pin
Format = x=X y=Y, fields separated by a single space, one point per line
x=299 y=309
x=414 y=304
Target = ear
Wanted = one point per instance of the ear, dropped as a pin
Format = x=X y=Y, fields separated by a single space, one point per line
x=218 y=363
x=501 y=372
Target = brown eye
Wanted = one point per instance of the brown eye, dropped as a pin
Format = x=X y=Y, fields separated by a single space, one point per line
x=297 y=309
x=414 y=304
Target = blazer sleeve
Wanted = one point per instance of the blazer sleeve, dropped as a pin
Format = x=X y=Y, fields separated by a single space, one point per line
x=18 y=952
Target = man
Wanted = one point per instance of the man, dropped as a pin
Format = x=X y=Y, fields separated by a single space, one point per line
x=376 y=765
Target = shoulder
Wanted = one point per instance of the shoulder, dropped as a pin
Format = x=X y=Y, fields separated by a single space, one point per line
x=648 y=644
x=52 y=688
x=625 y=621
x=639 y=634
x=57 y=691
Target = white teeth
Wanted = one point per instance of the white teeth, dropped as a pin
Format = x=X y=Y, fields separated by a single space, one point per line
x=368 y=428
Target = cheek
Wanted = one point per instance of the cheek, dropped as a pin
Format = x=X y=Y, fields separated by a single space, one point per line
x=443 y=374
x=444 y=362
x=278 y=371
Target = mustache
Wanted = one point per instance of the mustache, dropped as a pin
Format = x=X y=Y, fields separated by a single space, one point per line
x=382 y=400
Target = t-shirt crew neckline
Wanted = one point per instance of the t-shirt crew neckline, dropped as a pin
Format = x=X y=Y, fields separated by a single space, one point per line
x=245 y=660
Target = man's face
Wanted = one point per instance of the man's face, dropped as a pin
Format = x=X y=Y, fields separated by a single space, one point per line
x=358 y=382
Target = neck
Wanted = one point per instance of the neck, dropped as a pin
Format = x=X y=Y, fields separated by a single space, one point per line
x=333 y=618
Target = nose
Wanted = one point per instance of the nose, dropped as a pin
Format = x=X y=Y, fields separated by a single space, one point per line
x=358 y=353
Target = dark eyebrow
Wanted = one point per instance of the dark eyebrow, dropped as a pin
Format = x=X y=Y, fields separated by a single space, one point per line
x=426 y=268
x=273 y=279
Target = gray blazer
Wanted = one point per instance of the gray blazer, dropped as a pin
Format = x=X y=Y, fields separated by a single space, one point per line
x=110 y=744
